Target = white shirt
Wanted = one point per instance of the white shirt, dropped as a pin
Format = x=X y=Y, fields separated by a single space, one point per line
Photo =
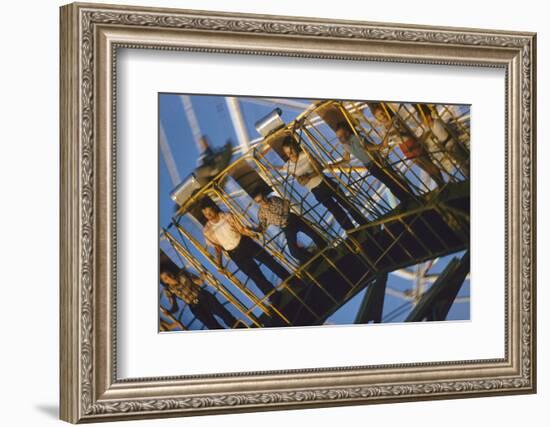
x=438 y=129
x=303 y=167
x=224 y=233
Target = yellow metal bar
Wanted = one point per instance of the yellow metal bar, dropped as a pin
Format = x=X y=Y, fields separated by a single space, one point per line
x=173 y=319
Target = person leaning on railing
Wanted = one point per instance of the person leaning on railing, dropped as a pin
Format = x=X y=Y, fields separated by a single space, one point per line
x=223 y=231
x=410 y=144
x=276 y=211
x=325 y=190
x=188 y=287
x=444 y=148
x=368 y=153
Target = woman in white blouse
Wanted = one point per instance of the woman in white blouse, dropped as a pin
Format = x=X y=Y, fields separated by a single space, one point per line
x=224 y=232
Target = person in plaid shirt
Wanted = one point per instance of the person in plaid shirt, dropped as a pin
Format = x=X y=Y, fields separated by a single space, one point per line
x=276 y=211
x=188 y=288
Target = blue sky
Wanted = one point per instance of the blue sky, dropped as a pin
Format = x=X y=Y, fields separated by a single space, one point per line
x=215 y=122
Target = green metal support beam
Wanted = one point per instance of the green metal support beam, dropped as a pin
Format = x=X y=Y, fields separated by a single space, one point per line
x=437 y=301
x=373 y=301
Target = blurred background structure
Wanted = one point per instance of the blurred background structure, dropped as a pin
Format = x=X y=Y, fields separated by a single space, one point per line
x=407 y=261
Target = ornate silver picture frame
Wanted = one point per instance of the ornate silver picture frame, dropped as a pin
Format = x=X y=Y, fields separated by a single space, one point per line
x=91 y=37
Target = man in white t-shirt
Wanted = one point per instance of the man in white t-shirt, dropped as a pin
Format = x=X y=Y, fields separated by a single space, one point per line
x=225 y=233
x=325 y=190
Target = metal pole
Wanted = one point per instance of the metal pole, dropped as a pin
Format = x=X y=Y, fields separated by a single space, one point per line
x=237 y=119
x=169 y=158
x=289 y=103
x=192 y=120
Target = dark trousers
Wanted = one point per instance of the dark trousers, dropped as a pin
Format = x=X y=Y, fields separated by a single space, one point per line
x=333 y=199
x=207 y=307
x=245 y=256
x=395 y=183
x=294 y=226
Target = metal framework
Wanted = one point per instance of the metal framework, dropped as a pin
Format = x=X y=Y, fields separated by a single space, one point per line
x=394 y=235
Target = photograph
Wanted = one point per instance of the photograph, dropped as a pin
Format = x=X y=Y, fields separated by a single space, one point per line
x=277 y=212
